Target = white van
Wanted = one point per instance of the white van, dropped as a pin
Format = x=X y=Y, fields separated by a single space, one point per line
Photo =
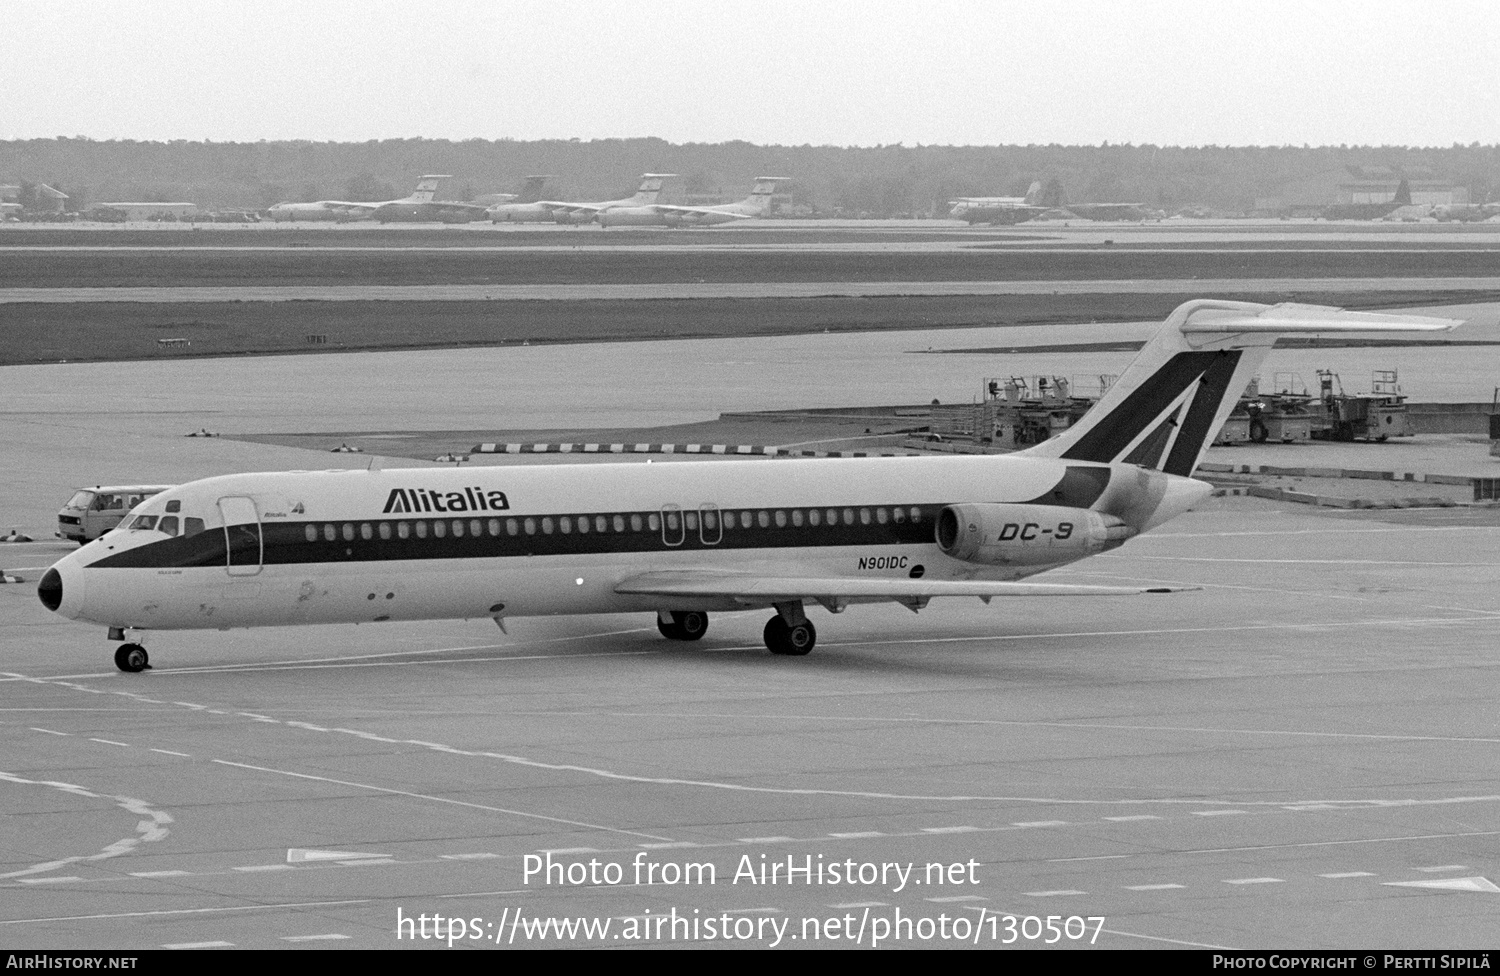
x=91 y=512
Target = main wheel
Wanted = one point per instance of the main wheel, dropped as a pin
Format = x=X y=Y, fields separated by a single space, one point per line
x=792 y=640
x=686 y=625
x=131 y=658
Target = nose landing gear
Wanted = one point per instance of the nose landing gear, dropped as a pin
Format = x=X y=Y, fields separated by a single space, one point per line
x=132 y=658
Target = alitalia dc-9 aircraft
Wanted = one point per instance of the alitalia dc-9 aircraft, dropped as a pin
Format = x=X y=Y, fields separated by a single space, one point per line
x=687 y=539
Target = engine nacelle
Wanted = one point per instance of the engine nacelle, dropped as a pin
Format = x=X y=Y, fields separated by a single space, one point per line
x=1026 y=535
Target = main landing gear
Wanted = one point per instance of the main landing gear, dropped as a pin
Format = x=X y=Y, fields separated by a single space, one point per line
x=132 y=658
x=683 y=625
x=790 y=632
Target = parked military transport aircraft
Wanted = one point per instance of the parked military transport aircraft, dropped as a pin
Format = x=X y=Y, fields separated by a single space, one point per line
x=583 y=213
x=669 y=215
x=407 y=208
x=686 y=539
x=523 y=208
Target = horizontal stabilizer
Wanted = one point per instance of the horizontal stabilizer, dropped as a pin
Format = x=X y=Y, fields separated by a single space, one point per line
x=1293 y=319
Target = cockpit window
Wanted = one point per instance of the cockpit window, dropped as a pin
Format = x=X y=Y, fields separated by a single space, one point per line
x=192 y=526
x=168 y=524
x=143 y=522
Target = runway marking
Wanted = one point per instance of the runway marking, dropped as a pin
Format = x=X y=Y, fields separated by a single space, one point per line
x=1444 y=867
x=1017 y=723
x=110 y=742
x=1339 y=843
x=858 y=835
x=1480 y=884
x=1155 y=887
x=1138 y=816
x=264 y=867
x=570 y=850
x=477 y=856
x=436 y=799
x=1054 y=894
x=159 y=874
x=1094 y=857
x=861 y=904
x=949 y=899
x=49 y=731
x=1041 y=823
x=34 y=881
x=169 y=752
x=147 y=830
x=1254 y=881
x=670 y=844
x=331 y=936
x=256 y=668
x=1349 y=874
x=948 y=830
x=1217 y=813
x=766 y=840
x=186 y=911
x=199 y=945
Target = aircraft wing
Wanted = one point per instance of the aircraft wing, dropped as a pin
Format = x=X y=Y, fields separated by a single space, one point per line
x=834 y=591
x=350 y=206
x=558 y=207
x=667 y=208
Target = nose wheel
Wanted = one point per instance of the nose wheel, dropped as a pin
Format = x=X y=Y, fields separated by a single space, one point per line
x=132 y=658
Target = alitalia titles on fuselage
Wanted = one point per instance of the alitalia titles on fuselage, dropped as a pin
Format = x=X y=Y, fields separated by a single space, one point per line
x=414 y=500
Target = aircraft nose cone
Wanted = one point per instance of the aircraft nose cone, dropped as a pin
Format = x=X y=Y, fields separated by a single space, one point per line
x=50 y=590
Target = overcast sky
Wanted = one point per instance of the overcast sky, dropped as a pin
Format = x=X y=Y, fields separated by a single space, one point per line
x=834 y=72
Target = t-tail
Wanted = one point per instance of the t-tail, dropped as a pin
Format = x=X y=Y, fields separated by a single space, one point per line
x=531 y=190
x=650 y=187
x=426 y=189
x=1168 y=405
x=762 y=192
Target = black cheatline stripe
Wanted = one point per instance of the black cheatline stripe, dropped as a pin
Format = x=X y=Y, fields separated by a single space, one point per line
x=285 y=543
x=1108 y=440
x=1196 y=427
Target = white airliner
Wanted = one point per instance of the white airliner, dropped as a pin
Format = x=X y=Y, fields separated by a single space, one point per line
x=687 y=539
x=669 y=215
x=583 y=213
x=403 y=209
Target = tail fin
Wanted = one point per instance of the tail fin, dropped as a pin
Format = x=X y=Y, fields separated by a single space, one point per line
x=1034 y=192
x=1170 y=402
x=763 y=191
x=651 y=184
x=531 y=191
x=426 y=187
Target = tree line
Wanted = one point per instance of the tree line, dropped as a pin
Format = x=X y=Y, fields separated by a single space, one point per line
x=894 y=179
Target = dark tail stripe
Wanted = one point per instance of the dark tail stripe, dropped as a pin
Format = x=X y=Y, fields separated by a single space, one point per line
x=1148 y=453
x=1108 y=440
x=1197 y=427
